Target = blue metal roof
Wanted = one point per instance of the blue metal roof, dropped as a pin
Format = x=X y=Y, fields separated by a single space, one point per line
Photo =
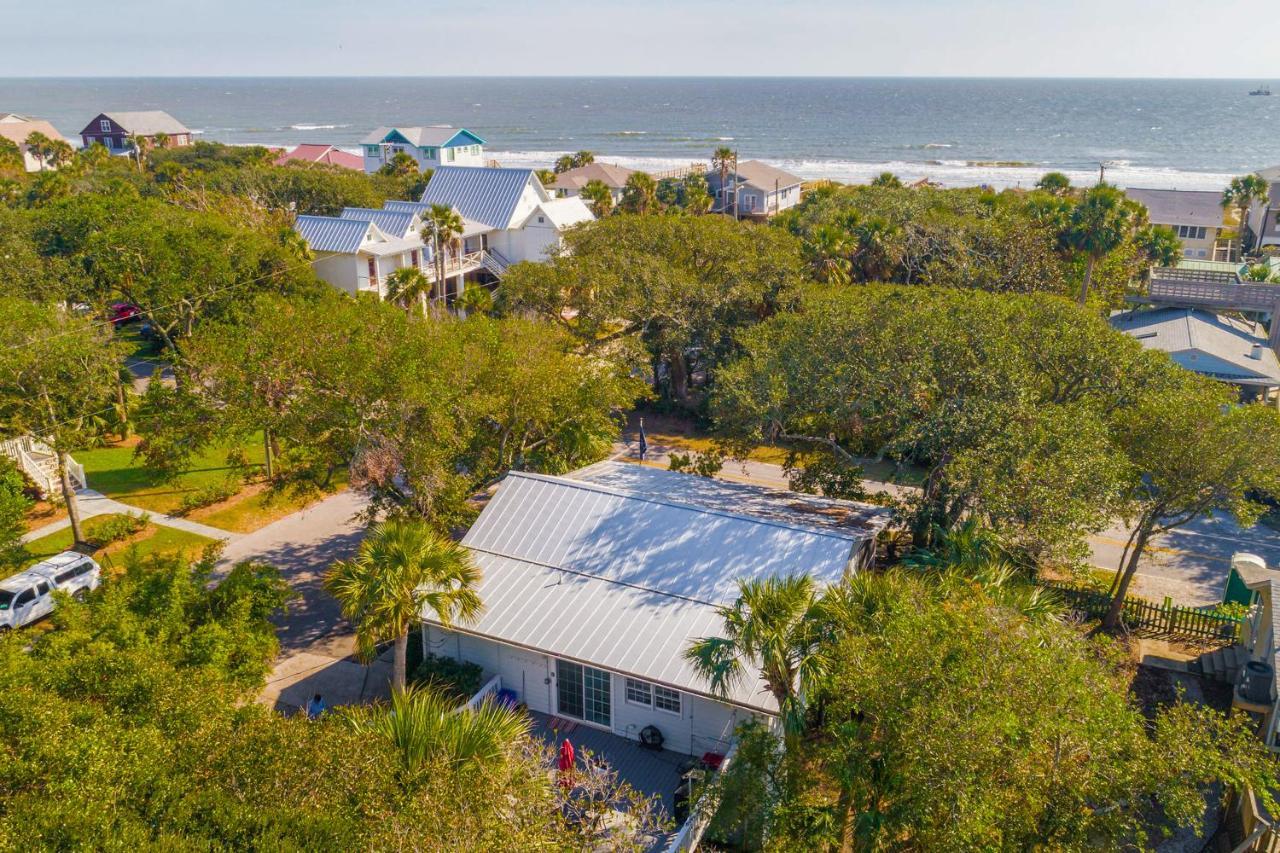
x=395 y=222
x=406 y=207
x=332 y=234
x=482 y=194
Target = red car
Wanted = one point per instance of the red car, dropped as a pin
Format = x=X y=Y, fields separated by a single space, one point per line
x=122 y=312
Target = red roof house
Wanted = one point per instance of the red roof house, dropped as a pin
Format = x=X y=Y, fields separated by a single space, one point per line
x=315 y=153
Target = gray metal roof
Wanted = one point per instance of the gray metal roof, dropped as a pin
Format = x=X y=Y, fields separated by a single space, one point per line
x=436 y=136
x=1205 y=342
x=621 y=567
x=484 y=194
x=395 y=222
x=406 y=206
x=144 y=123
x=759 y=175
x=849 y=519
x=1180 y=207
x=333 y=234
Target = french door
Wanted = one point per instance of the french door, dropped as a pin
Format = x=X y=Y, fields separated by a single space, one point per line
x=583 y=693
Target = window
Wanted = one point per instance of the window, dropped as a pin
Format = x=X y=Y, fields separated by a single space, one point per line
x=450 y=152
x=371 y=151
x=65 y=577
x=25 y=597
x=1191 y=232
x=6 y=599
x=429 y=153
x=639 y=692
x=104 y=125
x=666 y=700
x=43 y=588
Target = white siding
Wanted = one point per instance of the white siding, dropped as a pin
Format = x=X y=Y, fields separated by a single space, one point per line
x=703 y=725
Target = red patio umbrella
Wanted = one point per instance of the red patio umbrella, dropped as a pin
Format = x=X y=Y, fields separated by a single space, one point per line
x=566 y=763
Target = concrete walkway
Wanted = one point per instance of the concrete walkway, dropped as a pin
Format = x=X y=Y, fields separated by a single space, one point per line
x=94 y=503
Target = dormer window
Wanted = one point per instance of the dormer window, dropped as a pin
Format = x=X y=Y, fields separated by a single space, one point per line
x=105 y=125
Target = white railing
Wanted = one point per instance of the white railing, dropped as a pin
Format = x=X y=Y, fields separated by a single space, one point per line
x=690 y=833
x=494 y=263
x=455 y=264
x=491 y=688
x=24 y=451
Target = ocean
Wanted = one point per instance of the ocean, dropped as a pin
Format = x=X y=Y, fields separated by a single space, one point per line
x=1186 y=134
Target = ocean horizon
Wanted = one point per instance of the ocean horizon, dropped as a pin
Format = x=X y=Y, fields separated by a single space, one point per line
x=959 y=131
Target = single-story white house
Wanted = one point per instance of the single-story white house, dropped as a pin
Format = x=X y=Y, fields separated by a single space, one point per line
x=430 y=147
x=595 y=583
x=754 y=188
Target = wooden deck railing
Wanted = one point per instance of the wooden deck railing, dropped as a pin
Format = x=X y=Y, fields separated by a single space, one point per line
x=1159 y=619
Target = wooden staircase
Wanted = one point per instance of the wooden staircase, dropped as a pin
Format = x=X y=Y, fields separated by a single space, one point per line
x=1222 y=664
x=38 y=461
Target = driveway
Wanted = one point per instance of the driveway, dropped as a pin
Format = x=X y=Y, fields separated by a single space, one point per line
x=316 y=643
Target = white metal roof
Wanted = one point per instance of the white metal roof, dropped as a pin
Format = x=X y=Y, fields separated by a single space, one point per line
x=333 y=234
x=619 y=576
x=565 y=212
x=483 y=194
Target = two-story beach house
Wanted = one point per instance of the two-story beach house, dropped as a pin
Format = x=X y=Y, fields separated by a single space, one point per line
x=430 y=147
x=113 y=129
x=507 y=216
x=1196 y=216
x=17 y=128
x=595 y=583
x=1264 y=216
x=754 y=189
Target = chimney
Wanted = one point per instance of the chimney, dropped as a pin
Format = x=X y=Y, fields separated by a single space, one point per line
x=1256 y=355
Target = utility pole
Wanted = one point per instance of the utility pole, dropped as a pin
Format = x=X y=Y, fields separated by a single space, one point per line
x=1102 y=173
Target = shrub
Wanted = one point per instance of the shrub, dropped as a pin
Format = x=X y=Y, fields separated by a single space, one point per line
x=108 y=529
x=209 y=495
x=705 y=464
x=455 y=678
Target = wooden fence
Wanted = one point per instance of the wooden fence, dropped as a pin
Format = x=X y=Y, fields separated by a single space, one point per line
x=1166 y=620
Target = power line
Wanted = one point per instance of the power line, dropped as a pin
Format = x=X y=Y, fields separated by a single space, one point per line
x=112 y=323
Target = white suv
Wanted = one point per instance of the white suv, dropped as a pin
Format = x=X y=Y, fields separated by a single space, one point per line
x=28 y=596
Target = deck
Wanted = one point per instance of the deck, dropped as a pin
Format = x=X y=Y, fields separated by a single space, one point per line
x=647 y=771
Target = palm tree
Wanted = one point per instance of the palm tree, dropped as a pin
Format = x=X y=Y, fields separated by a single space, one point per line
x=827 y=253
x=476 y=300
x=1241 y=193
x=160 y=140
x=424 y=725
x=887 y=179
x=1160 y=246
x=563 y=163
x=877 y=250
x=775 y=625
x=723 y=159
x=403 y=566
x=408 y=285
x=598 y=197
x=1055 y=183
x=442 y=228
x=139 y=146
x=38 y=144
x=640 y=194
x=583 y=158
x=696 y=193
x=1097 y=225
x=546 y=177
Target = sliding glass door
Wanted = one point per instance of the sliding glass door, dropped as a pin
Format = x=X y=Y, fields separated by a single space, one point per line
x=583 y=693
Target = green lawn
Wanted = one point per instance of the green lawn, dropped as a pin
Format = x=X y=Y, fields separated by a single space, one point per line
x=116 y=473
x=153 y=539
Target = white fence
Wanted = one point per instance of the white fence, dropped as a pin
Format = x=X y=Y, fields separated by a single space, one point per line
x=687 y=838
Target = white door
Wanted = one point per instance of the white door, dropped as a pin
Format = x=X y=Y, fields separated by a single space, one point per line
x=24 y=607
x=529 y=674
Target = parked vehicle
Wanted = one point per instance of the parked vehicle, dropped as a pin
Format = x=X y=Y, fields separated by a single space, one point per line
x=122 y=312
x=28 y=595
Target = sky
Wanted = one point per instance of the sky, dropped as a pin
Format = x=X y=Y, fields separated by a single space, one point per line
x=1015 y=38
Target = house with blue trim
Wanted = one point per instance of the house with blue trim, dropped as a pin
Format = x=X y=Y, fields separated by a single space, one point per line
x=430 y=147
